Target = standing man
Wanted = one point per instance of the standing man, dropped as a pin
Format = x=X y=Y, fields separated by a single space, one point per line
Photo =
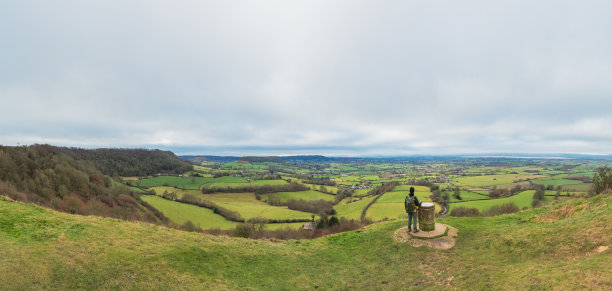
x=411 y=204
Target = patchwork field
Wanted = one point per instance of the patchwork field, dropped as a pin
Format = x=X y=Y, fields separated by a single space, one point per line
x=180 y=213
x=491 y=180
x=466 y=196
x=353 y=209
x=521 y=200
x=187 y=182
x=249 y=207
x=391 y=204
x=304 y=195
x=555 y=181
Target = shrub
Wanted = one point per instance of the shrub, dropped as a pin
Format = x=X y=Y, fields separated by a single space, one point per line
x=189 y=226
x=501 y=209
x=126 y=200
x=602 y=179
x=73 y=204
x=243 y=230
x=463 y=211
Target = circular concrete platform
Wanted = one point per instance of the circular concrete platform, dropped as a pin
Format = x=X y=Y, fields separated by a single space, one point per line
x=442 y=238
x=439 y=231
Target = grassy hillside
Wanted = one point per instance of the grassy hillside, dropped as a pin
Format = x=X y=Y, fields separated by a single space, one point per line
x=562 y=246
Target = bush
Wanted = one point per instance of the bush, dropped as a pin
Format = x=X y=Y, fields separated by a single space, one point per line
x=602 y=180
x=463 y=211
x=244 y=230
x=501 y=209
x=189 y=226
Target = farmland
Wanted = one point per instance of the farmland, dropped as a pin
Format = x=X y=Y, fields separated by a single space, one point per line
x=305 y=195
x=201 y=226
x=433 y=180
x=522 y=200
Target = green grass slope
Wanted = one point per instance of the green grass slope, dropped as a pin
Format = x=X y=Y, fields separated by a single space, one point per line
x=561 y=246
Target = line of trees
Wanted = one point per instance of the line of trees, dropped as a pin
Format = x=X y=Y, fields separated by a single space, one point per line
x=315 y=206
x=498 y=193
x=495 y=210
x=265 y=189
x=315 y=180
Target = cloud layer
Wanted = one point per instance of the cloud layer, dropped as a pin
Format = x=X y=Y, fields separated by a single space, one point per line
x=324 y=77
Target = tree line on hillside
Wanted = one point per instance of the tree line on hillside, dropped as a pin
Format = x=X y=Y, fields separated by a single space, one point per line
x=51 y=178
x=127 y=162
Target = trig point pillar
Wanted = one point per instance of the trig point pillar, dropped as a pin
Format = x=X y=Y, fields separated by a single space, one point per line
x=427 y=215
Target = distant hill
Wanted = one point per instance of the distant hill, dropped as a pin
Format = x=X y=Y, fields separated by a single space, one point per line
x=564 y=246
x=228 y=159
x=218 y=159
x=308 y=159
x=261 y=159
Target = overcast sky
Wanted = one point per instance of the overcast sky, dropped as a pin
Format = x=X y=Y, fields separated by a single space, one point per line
x=309 y=77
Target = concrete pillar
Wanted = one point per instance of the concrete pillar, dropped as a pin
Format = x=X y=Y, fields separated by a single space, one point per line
x=427 y=214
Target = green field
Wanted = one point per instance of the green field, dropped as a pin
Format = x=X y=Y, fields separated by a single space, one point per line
x=391 y=204
x=361 y=192
x=175 y=181
x=192 y=183
x=353 y=209
x=539 y=249
x=268 y=182
x=400 y=196
x=466 y=196
x=416 y=188
x=332 y=189
x=304 y=195
x=521 y=200
x=555 y=181
x=491 y=180
x=584 y=187
x=203 y=218
x=180 y=213
x=179 y=192
x=243 y=203
x=249 y=207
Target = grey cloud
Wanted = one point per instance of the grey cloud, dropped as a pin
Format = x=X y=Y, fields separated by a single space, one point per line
x=352 y=77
